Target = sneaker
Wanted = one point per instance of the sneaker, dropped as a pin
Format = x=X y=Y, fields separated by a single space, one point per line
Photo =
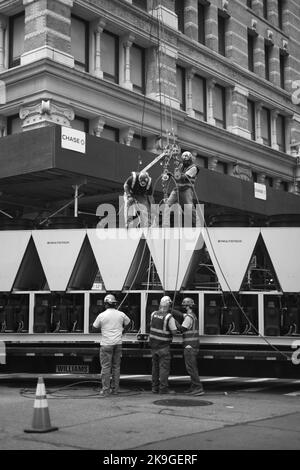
x=115 y=392
x=197 y=392
x=188 y=390
x=167 y=392
x=154 y=390
x=104 y=394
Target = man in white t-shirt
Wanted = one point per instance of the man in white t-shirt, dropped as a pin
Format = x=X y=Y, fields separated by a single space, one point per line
x=112 y=323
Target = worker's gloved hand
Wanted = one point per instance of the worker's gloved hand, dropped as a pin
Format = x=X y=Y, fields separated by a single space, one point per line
x=130 y=199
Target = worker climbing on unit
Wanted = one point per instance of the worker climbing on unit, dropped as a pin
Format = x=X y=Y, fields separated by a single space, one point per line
x=185 y=174
x=138 y=198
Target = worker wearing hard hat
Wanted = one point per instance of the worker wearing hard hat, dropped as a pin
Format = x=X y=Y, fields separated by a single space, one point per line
x=190 y=339
x=185 y=177
x=112 y=323
x=162 y=330
x=138 y=198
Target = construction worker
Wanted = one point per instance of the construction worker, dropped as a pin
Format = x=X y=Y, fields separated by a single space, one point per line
x=112 y=323
x=162 y=330
x=190 y=339
x=138 y=198
x=185 y=175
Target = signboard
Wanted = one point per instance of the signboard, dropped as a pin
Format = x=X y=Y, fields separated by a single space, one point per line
x=260 y=191
x=72 y=139
x=72 y=369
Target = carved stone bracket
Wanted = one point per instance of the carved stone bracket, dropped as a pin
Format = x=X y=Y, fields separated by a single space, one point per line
x=44 y=113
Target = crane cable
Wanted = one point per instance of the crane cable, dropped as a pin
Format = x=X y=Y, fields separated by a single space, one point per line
x=227 y=283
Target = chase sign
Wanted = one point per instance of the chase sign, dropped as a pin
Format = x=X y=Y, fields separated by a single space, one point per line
x=72 y=139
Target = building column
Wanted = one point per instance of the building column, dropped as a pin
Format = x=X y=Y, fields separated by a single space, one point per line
x=273 y=12
x=42 y=41
x=191 y=19
x=3 y=26
x=258 y=108
x=210 y=101
x=274 y=115
x=259 y=56
x=211 y=36
x=127 y=42
x=257 y=7
x=98 y=30
x=161 y=75
x=240 y=111
x=45 y=113
x=163 y=11
x=274 y=66
x=189 y=92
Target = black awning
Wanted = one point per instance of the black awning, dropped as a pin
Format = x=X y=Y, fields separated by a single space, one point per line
x=35 y=169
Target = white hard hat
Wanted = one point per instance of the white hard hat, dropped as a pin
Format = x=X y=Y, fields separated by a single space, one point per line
x=165 y=300
x=110 y=299
x=187 y=155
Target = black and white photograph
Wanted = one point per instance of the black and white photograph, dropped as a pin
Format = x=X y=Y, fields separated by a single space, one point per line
x=149 y=230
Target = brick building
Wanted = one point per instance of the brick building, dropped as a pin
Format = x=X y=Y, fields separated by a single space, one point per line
x=219 y=77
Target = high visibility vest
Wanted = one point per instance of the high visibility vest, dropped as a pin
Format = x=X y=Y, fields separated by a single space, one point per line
x=189 y=182
x=160 y=334
x=191 y=336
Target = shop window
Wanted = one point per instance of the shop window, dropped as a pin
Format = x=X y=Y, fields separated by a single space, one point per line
x=265 y=9
x=251 y=119
x=139 y=142
x=199 y=97
x=80 y=124
x=280 y=13
x=179 y=10
x=219 y=106
x=266 y=126
x=142 y=4
x=180 y=79
x=280 y=132
x=79 y=42
x=251 y=40
x=110 y=133
x=201 y=22
x=14 y=124
x=110 y=56
x=137 y=68
x=16 y=39
x=282 y=67
x=268 y=49
x=222 y=26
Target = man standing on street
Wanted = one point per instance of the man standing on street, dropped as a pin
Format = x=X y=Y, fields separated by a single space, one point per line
x=190 y=339
x=162 y=330
x=112 y=323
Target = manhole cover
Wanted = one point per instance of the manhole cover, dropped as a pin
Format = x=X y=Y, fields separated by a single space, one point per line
x=182 y=402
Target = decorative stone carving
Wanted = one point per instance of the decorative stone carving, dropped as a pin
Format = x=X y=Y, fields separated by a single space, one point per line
x=126 y=135
x=45 y=113
x=242 y=172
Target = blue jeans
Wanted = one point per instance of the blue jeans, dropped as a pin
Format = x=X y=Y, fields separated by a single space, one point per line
x=161 y=360
x=110 y=360
x=190 y=359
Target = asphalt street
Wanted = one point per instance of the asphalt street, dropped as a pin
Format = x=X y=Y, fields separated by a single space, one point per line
x=234 y=414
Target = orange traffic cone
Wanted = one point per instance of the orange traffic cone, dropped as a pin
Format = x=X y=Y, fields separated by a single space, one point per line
x=41 y=418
